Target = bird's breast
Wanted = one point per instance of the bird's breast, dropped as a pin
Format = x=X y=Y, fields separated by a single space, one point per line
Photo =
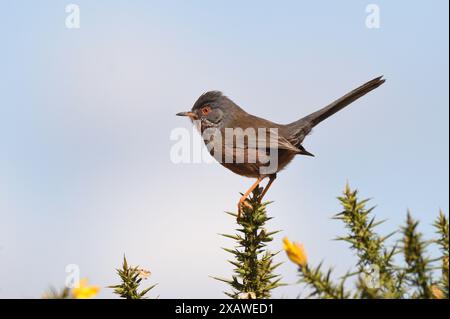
x=250 y=162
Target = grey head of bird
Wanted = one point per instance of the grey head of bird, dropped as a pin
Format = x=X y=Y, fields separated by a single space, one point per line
x=214 y=110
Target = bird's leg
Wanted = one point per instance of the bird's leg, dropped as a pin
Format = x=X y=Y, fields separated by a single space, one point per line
x=271 y=180
x=244 y=197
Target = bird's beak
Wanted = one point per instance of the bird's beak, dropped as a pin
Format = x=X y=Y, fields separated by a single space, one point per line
x=192 y=115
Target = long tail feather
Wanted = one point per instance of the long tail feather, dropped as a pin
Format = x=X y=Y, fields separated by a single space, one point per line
x=317 y=117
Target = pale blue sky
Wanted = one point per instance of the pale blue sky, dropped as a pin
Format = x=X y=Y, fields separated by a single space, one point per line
x=86 y=115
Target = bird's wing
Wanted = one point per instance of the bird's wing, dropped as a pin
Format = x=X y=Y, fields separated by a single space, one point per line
x=258 y=139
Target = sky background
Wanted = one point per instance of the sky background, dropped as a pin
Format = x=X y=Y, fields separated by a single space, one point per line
x=86 y=116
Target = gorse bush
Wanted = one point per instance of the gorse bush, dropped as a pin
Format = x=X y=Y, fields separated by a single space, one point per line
x=131 y=279
x=384 y=268
x=254 y=276
x=377 y=274
x=441 y=226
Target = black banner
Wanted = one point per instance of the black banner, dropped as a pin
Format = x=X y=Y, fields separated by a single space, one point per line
x=165 y=308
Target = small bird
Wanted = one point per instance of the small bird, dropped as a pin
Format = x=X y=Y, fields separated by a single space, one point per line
x=250 y=157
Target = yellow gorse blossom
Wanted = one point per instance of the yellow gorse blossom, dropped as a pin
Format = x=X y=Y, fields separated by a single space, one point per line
x=437 y=292
x=84 y=291
x=295 y=252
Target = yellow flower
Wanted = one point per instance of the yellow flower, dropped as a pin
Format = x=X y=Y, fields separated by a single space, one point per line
x=437 y=292
x=83 y=291
x=295 y=252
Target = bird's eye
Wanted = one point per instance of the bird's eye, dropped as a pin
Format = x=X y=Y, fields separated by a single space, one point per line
x=206 y=110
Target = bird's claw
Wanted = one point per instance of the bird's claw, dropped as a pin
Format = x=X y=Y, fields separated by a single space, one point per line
x=240 y=207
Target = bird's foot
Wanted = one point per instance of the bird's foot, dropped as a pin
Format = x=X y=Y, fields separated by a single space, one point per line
x=243 y=203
